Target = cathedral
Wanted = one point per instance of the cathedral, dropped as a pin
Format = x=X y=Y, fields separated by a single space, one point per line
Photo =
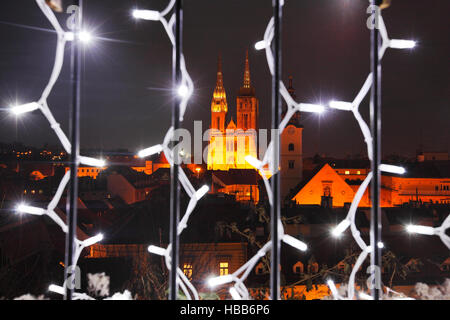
x=230 y=142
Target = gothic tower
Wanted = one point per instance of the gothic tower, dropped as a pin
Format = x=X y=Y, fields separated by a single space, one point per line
x=219 y=106
x=291 y=151
x=246 y=102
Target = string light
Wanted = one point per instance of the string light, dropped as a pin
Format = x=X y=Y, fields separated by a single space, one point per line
x=42 y=105
x=150 y=151
x=392 y=169
x=341 y=227
x=431 y=231
x=85 y=37
x=184 y=91
x=293 y=242
x=99 y=163
x=23 y=208
x=349 y=221
x=146 y=15
x=293 y=107
x=309 y=107
x=401 y=44
x=260 y=45
x=157 y=250
x=25 y=108
x=341 y=105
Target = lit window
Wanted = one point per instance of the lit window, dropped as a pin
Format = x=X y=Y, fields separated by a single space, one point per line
x=187 y=270
x=347 y=172
x=358 y=172
x=223 y=268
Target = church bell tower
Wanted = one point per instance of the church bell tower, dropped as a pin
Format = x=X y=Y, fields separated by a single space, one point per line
x=246 y=102
x=219 y=106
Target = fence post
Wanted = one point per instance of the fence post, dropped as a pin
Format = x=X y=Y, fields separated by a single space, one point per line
x=174 y=182
x=71 y=205
x=375 y=124
x=276 y=115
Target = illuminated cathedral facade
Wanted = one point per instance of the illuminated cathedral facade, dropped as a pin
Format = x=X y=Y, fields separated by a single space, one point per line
x=230 y=142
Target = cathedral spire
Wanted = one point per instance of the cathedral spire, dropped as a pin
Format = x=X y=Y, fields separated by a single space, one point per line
x=247 y=71
x=247 y=89
x=219 y=83
x=219 y=101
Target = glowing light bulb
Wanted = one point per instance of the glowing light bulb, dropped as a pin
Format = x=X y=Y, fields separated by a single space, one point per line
x=261 y=45
x=402 y=44
x=309 y=107
x=85 y=37
x=392 y=169
x=295 y=242
x=23 y=208
x=157 y=250
x=340 y=228
x=183 y=91
x=150 y=151
x=420 y=229
x=333 y=288
x=364 y=296
x=99 y=163
x=56 y=289
x=93 y=240
x=201 y=192
x=146 y=15
x=25 y=108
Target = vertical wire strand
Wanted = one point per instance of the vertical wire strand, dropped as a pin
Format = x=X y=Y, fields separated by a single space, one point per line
x=276 y=115
x=375 y=122
x=71 y=205
x=175 y=169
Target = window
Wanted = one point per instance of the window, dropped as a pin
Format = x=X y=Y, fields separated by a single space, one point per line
x=187 y=270
x=298 y=268
x=358 y=172
x=291 y=147
x=327 y=191
x=347 y=172
x=223 y=268
x=291 y=164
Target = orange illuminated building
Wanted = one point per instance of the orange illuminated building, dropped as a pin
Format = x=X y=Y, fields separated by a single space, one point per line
x=339 y=186
x=88 y=171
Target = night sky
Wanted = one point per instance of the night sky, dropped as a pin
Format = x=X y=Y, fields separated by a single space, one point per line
x=126 y=79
